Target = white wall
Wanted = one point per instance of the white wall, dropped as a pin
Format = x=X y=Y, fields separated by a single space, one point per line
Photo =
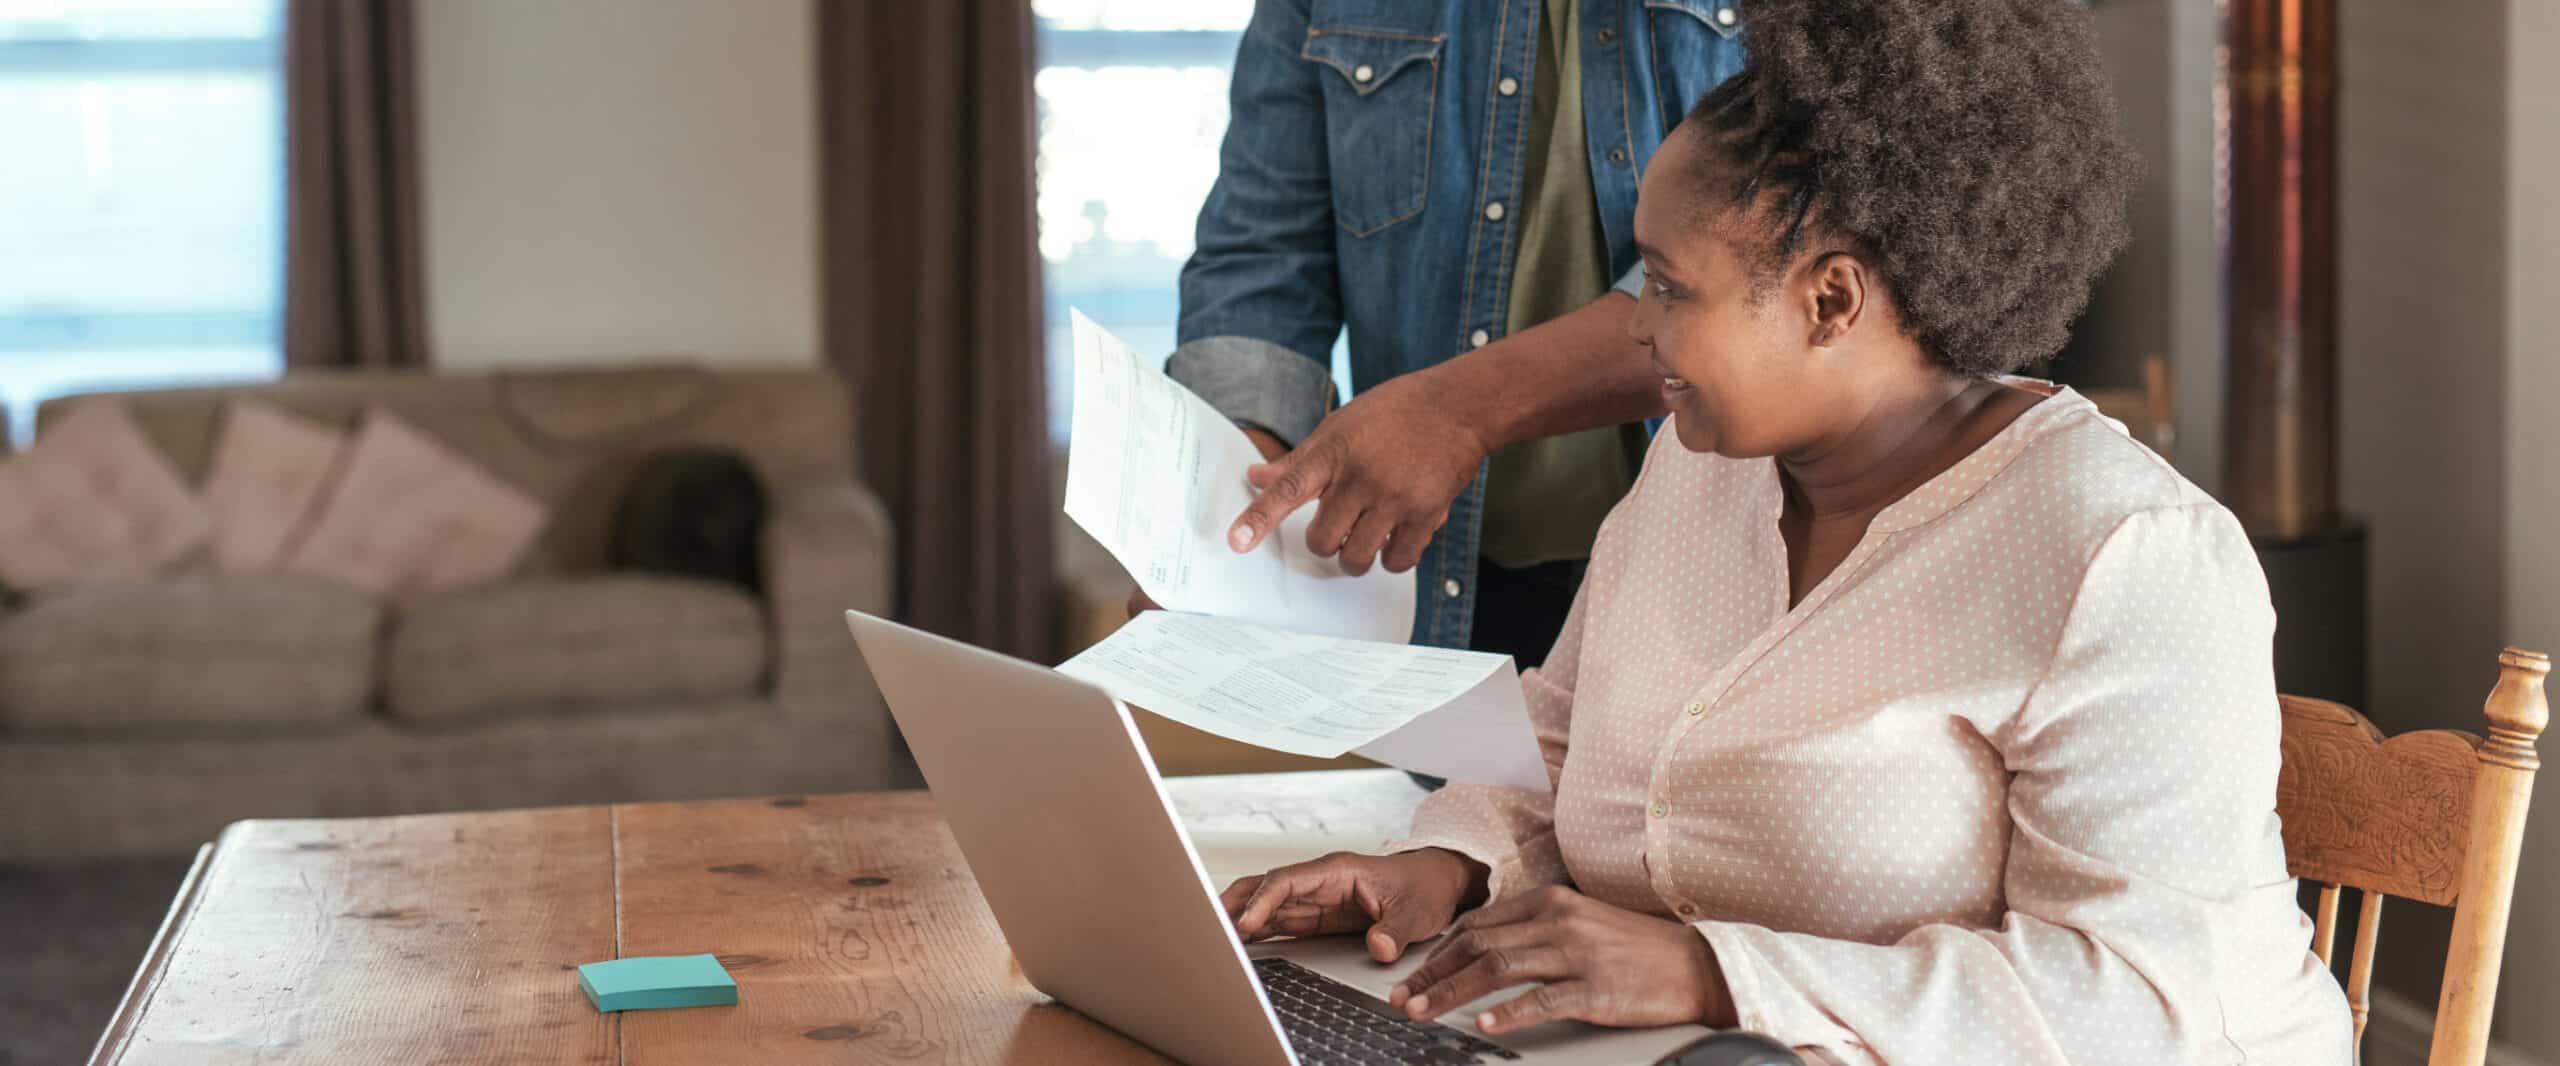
x=2450 y=295
x=618 y=179
x=2422 y=346
x=2422 y=369
x=2127 y=318
x=2163 y=296
x=2198 y=350
x=2533 y=474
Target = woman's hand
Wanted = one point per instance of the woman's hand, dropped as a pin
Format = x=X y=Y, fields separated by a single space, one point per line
x=1397 y=898
x=1591 y=962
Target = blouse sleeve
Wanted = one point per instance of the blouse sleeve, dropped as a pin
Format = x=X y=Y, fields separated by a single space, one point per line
x=2143 y=772
x=1512 y=830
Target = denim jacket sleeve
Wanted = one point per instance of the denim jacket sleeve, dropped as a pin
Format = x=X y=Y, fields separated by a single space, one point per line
x=1261 y=294
x=1631 y=282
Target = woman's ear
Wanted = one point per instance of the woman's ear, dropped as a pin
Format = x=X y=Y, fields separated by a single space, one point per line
x=1835 y=297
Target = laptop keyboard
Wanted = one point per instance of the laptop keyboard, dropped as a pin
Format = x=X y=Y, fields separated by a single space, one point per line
x=1334 y=1024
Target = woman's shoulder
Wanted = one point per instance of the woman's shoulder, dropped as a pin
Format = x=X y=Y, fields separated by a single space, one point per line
x=2081 y=466
x=2088 y=482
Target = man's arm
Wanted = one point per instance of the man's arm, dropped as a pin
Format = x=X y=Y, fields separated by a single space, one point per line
x=1261 y=294
x=1580 y=371
x=1384 y=469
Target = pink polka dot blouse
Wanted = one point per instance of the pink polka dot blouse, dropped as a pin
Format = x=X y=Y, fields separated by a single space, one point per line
x=2001 y=789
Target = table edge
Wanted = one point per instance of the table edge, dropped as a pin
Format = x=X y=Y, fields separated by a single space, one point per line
x=155 y=962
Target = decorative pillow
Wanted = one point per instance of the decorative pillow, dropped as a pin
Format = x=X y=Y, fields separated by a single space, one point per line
x=408 y=516
x=692 y=511
x=122 y=470
x=269 y=474
x=45 y=535
x=94 y=501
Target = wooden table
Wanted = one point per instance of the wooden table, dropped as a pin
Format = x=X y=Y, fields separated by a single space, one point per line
x=850 y=922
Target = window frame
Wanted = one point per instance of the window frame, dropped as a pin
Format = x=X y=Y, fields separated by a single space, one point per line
x=72 y=328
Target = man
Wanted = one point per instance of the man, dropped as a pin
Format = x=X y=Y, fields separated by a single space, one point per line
x=1443 y=179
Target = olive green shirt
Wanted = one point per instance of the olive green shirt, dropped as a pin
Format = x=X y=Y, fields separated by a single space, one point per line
x=1544 y=499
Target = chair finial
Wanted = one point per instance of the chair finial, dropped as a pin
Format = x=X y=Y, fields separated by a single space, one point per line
x=2517 y=709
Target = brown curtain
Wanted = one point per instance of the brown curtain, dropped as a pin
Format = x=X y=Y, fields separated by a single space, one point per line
x=353 y=294
x=931 y=288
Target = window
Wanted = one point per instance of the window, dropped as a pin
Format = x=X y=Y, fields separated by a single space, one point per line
x=141 y=205
x=1133 y=100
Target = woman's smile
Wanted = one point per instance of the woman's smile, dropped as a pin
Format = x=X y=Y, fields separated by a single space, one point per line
x=1674 y=387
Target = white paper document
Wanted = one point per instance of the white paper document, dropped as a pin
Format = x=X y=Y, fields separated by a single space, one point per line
x=1157 y=475
x=1452 y=714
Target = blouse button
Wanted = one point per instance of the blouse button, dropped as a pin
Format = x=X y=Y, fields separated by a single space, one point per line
x=1659 y=809
x=1687 y=910
x=1697 y=707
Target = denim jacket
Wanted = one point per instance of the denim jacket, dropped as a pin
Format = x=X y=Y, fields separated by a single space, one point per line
x=1368 y=181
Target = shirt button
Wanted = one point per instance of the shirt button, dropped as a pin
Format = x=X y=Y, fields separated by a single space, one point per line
x=1606 y=35
x=1507 y=86
x=1618 y=156
x=1451 y=588
x=1493 y=211
x=1659 y=810
x=1697 y=707
x=1725 y=16
x=1362 y=73
x=1478 y=339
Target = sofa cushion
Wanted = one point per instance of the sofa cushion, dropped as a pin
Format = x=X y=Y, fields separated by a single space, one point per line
x=574 y=643
x=408 y=516
x=195 y=652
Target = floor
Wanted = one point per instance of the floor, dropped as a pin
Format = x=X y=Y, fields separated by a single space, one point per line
x=69 y=940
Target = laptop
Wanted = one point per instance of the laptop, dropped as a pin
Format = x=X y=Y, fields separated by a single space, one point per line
x=1109 y=909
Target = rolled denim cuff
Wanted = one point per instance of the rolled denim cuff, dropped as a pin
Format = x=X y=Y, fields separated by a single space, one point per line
x=1257 y=383
x=1631 y=282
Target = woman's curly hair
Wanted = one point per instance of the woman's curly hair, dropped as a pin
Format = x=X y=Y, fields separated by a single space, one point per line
x=1968 y=149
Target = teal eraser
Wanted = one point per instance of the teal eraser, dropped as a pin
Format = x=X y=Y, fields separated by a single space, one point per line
x=659 y=981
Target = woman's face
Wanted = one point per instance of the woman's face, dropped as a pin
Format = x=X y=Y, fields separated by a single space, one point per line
x=1741 y=374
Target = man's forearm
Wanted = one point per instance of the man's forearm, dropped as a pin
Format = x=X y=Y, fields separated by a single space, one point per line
x=1575 y=372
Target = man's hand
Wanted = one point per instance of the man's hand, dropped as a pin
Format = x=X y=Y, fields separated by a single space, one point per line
x=1591 y=961
x=1384 y=469
x=1382 y=472
x=1397 y=899
x=1271 y=449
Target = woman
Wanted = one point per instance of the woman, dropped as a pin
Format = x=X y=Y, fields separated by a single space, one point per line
x=1910 y=712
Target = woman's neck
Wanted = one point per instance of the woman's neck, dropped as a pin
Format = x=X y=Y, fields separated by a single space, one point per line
x=1895 y=445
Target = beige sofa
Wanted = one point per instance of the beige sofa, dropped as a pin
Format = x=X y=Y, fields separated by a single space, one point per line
x=139 y=719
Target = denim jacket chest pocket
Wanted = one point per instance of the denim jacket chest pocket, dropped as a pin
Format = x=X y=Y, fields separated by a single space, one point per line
x=1380 y=89
x=1691 y=50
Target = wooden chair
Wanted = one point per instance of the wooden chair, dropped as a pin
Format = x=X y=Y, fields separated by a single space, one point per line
x=2436 y=816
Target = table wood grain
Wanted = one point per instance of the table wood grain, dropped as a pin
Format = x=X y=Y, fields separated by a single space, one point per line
x=850 y=922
